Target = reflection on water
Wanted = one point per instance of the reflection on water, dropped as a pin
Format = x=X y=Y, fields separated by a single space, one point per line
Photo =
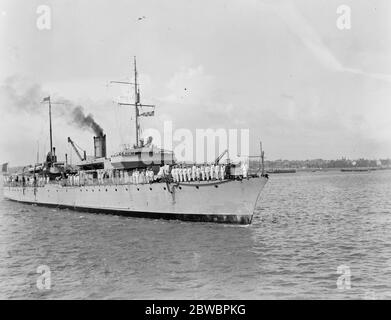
x=306 y=225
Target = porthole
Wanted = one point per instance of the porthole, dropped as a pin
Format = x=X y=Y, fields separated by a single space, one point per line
x=106 y=190
x=180 y=188
x=197 y=187
x=216 y=186
x=150 y=189
x=138 y=189
x=165 y=188
x=116 y=190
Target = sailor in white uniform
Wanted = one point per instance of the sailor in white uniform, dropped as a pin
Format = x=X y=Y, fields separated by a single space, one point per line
x=198 y=173
x=207 y=172
x=180 y=171
x=177 y=174
x=203 y=173
x=222 y=172
x=184 y=171
x=184 y=174
x=193 y=173
x=244 y=170
x=161 y=172
x=217 y=171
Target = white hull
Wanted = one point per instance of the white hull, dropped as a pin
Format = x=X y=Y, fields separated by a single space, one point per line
x=226 y=202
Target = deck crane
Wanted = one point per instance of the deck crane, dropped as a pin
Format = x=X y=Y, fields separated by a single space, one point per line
x=221 y=156
x=77 y=151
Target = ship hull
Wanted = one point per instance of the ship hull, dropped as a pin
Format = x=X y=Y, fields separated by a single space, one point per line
x=221 y=202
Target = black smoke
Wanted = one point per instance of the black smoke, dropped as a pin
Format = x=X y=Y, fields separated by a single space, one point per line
x=84 y=121
x=19 y=94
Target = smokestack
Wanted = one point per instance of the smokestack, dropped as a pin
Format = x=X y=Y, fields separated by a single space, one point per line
x=100 y=146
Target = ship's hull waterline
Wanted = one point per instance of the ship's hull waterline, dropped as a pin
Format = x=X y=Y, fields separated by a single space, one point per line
x=221 y=202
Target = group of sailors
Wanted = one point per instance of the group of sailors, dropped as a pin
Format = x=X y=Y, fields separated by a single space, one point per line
x=103 y=177
x=25 y=181
x=198 y=173
x=73 y=180
x=139 y=176
x=178 y=173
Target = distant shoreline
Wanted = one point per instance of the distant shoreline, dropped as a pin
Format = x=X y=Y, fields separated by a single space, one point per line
x=346 y=169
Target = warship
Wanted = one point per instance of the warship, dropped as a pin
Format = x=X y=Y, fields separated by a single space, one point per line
x=142 y=180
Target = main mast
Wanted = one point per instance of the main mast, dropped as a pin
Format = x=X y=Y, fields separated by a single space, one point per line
x=51 y=131
x=136 y=103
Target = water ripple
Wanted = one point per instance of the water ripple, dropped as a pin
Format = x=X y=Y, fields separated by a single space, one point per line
x=306 y=227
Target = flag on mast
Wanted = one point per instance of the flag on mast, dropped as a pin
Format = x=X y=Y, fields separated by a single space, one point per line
x=148 y=114
x=47 y=99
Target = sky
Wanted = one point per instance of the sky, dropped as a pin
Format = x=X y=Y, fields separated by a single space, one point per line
x=280 y=68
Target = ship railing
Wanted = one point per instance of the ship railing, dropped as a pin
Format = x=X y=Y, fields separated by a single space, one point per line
x=19 y=184
x=67 y=183
x=103 y=182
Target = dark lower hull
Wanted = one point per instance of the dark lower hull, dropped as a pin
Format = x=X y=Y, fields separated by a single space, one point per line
x=220 y=218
